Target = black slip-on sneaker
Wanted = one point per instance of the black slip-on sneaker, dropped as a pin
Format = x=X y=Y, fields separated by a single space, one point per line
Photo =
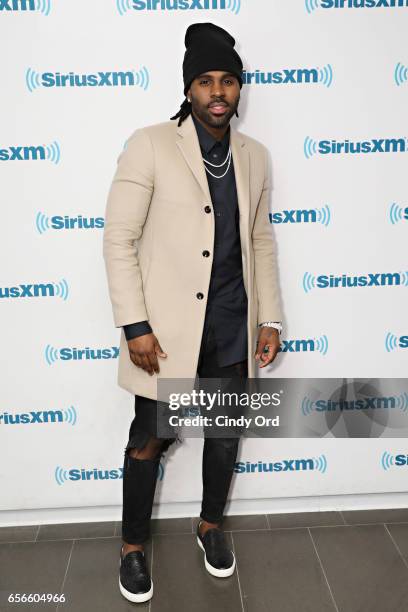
x=135 y=583
x=219 y=559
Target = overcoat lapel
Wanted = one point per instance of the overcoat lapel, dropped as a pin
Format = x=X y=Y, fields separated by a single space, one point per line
x=240 y=155
x=187 y=141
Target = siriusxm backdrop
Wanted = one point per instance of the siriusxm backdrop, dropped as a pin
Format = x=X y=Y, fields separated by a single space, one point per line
x=326 y=89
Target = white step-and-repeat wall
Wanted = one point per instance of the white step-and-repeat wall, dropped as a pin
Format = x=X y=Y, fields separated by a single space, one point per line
x=326 y=89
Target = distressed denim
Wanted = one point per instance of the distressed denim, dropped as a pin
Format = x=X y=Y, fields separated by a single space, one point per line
x=218 y=460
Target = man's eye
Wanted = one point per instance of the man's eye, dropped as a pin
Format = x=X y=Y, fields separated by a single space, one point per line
x=204 y=81
x=228 y=81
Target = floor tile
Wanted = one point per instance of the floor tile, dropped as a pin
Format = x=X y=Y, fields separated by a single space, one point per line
x=182 y=582
x=400 y=535
x=32 y=567
x=363 y=568
x=360 y=567
x=177 y=525
x=163 y=526
x=18 y=534
x=393 y=515
x=304 y=519
x=279 y=570
x=239 y=522
x=71 y=531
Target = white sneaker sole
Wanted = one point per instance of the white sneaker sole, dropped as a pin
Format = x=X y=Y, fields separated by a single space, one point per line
x=135 y=597
x=219 y=573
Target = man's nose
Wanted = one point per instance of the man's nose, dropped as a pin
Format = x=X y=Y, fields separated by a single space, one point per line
x=217 y=90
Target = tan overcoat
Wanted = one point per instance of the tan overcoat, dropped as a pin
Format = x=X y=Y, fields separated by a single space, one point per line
x=157 y=226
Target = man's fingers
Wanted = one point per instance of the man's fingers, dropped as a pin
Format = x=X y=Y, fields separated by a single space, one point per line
x=146 y=365
x=158 y=349
x=152 y=357
x=144 y=352
x=268 y=357
x=135 y=358
x=260 y=345
x=141 y=361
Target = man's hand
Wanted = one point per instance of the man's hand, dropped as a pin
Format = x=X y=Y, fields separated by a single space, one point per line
x=143 y=352
x=268 y=337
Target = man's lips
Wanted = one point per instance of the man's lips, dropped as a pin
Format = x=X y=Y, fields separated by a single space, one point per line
x=218 y=108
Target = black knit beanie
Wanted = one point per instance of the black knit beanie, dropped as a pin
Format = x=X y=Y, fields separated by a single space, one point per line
x=208 y=47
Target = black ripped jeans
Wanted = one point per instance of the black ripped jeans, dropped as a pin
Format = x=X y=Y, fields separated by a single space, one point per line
x=218 y=461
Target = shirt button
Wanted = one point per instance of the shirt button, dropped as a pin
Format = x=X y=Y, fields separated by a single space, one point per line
x=199 y=296
x=207 y=209
x=206 y=253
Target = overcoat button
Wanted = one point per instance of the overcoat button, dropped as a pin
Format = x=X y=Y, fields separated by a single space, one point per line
x=200 y=296
x=207 y=209
x=206 y=253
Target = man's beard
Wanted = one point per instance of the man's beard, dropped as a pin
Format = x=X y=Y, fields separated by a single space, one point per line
x=203 y=112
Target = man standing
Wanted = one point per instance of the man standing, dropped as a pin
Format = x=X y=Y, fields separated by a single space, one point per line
x=198 y=294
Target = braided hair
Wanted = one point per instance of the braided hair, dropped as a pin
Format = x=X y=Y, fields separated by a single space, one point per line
x=185 y=111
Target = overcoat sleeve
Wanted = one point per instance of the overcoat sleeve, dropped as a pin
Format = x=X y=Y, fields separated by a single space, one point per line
x=126 y=211
x=264 y=246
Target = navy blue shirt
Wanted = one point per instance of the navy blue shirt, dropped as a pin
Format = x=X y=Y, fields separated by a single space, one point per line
x=227 y=305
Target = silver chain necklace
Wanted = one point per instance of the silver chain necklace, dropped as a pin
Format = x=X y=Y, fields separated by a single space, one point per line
x=227 y=159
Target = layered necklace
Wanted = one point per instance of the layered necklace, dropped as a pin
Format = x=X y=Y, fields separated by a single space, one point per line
x=226 y=161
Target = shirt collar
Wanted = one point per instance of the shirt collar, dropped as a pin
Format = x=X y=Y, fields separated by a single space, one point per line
x=207 y=140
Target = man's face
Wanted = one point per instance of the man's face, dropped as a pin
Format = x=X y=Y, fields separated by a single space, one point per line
x=215 y=97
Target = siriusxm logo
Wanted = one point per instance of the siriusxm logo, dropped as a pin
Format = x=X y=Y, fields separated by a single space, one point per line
x=309 y=345
x=400 y=74
x=388 y=460
x=392 y=342
x=311 y=215
x=36 y=290
x=124 y=6
x=312 y=5
x=287 y=465
x=347 y=147
x=324 y=281
x=292 y=75
x=37 y=153
x=41 y=6
x=396 y=213
x=399 y=402
x=68 y=416
x=75 y=354
x=77 y=474
x=130 y=78
x=59 y=222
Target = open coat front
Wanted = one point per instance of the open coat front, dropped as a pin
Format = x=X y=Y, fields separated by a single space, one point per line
x=160 y=198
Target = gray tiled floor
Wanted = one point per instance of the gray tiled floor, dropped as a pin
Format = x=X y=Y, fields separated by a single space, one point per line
x=303 y=562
